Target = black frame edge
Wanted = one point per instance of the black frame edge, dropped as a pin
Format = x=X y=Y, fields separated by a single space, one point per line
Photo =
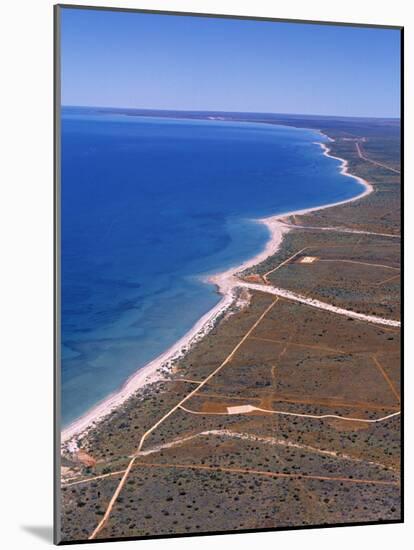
x=227 y=16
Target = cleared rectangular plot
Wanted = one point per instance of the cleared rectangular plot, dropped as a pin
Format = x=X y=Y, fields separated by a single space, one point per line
x=240 y=409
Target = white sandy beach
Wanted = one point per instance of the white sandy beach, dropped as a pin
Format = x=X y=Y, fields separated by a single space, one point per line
x=226 y=283
x=277 y=227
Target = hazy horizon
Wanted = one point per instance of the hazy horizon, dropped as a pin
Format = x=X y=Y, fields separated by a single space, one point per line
x=275 y=113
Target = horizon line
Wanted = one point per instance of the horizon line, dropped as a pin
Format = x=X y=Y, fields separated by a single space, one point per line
x=376 y=117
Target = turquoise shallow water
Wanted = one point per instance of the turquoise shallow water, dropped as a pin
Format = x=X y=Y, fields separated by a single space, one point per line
x=149 y=205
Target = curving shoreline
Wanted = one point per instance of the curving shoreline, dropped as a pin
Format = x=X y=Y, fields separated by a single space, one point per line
x=226 y=283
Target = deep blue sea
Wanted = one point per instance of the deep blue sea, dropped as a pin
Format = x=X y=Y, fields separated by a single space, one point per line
x=150 y=204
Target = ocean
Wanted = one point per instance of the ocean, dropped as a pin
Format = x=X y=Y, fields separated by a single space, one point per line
x=149 y=206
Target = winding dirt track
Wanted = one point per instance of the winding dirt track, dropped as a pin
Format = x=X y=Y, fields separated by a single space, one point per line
x=300 y=415
x=241 y=471
x=268 y=474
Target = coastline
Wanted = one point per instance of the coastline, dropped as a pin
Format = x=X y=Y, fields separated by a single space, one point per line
x=226 y=283
x=149 y=372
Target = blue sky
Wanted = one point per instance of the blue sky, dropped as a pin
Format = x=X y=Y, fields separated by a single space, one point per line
x=124 y=59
